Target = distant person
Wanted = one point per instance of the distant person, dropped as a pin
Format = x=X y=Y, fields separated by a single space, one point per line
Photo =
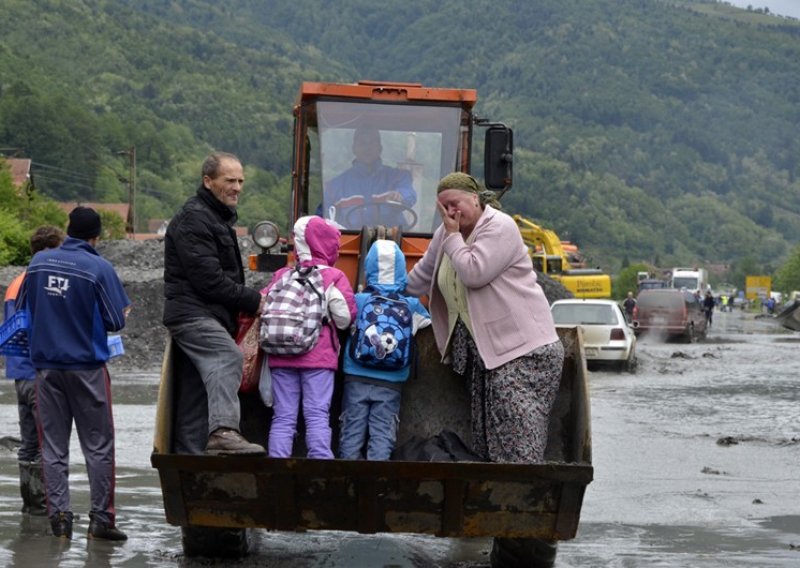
x=378 y=361
x=75 y=298
x=364 y=193
x=21 y=370
x=492 y=320
x=708 y=306
x=629 y=305
x=204 y=290
x=306 y=379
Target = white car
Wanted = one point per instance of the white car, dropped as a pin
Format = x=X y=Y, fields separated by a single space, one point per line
x=607 y=337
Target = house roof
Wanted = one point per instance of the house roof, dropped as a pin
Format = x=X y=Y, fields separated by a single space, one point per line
x=20 y=170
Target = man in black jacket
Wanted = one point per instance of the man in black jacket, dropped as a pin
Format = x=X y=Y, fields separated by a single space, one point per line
x=204 y=292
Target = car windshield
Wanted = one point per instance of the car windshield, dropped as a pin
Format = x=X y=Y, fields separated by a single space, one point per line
x=584 y=314
x=378 y=164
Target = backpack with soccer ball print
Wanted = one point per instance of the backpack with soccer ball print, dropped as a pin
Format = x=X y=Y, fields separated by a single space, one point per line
x=382 y=332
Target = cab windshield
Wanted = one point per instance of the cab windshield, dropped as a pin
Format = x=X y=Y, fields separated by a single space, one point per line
x=379 y=164
x=688 y=282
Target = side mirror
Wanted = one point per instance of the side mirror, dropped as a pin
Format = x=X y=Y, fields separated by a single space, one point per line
x=498 y=157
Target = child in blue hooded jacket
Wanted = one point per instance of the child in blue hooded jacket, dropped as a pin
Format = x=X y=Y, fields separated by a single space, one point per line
x=371 y=398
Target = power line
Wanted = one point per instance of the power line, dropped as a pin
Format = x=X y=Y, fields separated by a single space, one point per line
x=62 y=171
x=64 y=181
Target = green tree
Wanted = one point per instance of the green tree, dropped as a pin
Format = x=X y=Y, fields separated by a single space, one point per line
x=20 y=215
x=113 y=225
x=787 y=278
x=625 y=281
x=14 y=243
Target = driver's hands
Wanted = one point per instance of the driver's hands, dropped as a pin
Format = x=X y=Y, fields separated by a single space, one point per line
x=353 y=201
x=388 y=196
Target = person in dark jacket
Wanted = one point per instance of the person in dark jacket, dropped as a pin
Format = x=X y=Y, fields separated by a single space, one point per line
x=21 y=370
x=629 y=305
x=205 y=291
x=708 y=306
x=75 y=298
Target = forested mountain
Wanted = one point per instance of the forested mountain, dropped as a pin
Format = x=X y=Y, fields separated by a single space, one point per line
x=664 y=131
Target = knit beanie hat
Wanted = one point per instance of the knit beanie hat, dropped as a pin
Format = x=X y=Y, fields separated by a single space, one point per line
x=84 y=223
x=465 y=182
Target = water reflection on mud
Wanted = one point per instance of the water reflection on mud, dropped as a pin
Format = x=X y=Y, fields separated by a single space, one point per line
x=695 y=458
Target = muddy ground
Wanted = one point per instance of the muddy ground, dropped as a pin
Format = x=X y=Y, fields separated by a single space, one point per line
x=695 y=461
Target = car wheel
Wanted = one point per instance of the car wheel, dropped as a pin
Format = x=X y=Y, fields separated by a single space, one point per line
x=631 y=363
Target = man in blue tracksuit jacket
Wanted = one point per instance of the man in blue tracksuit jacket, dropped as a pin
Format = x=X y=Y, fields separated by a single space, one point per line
x=75 y=298
x=371 y=398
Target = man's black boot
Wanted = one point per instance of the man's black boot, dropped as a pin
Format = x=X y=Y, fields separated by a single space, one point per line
x=61 y=523
x=104 y=530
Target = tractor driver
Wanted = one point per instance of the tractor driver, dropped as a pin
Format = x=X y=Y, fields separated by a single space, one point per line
x=370 y=192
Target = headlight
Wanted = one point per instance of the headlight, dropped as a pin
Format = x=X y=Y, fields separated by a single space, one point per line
x=266 y=234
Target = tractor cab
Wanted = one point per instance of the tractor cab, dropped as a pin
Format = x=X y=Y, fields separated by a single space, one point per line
x=368 y=158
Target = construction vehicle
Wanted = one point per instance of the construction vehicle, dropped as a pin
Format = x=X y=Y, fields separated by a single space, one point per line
x=428 y=133
x=550 y=256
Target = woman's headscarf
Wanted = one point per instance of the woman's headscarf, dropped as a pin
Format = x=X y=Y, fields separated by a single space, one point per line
x=465 y=182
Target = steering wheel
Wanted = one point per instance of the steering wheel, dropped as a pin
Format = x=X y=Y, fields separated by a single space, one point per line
x=395 y=206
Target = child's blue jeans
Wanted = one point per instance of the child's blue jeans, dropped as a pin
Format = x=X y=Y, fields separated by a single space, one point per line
x=368 y=411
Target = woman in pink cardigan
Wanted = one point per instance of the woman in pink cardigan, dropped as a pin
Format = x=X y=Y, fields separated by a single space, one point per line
x=492 y=320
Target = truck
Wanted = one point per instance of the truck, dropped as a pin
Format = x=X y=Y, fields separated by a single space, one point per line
x=526 y=508
x=692 y=279
x=550 y=256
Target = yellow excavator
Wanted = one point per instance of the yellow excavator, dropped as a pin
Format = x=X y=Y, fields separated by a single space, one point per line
x=549 y=256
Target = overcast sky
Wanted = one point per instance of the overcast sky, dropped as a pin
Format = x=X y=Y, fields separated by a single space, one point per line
x=782 y=7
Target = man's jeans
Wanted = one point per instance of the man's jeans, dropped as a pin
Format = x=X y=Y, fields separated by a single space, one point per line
x=219 y=361
x=369 y=408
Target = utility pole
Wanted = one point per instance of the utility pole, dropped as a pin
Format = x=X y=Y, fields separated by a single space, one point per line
x=131 y=220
